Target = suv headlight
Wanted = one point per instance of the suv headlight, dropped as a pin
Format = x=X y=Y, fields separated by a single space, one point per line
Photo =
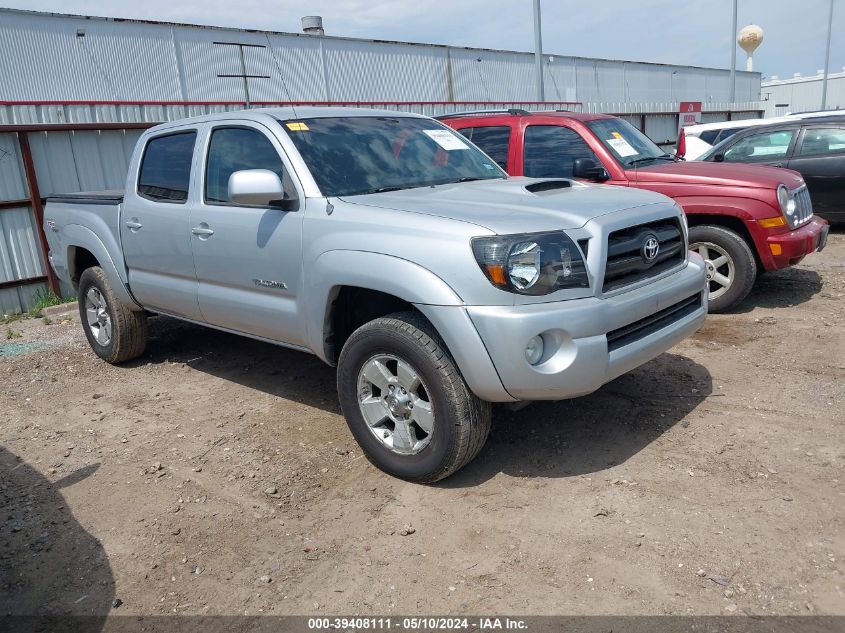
x=531 y=263
x=788 y=206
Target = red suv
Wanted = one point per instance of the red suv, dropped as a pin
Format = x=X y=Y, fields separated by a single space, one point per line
x=743 y=219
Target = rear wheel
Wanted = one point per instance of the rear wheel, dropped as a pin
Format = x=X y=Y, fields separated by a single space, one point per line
x=405 y=401
x=730 y=264
x=115 y=333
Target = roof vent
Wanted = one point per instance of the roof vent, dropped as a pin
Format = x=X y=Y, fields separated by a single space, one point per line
x=774 y=77
x=313 y=25
x=820 y=71
x=796 y=75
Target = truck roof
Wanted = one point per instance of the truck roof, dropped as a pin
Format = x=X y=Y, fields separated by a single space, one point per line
x=285 y=113
x=563 y=114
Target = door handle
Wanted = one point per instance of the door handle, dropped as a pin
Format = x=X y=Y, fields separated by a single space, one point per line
x=777 y=164
x=202 y=231
x=133 y=225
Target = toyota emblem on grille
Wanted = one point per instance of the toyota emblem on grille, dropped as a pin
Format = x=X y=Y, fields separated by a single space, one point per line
x=650 y=249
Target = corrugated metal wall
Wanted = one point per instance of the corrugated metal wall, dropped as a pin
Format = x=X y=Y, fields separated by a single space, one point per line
x=20 y=252
x=803 y=94
x=43 y=58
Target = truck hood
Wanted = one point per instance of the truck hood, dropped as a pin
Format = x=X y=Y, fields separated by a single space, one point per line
x=507 y=206
x=724 y=174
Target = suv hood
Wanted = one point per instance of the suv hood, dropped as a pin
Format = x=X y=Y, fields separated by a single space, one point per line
x=506 y=206
x=725 y=174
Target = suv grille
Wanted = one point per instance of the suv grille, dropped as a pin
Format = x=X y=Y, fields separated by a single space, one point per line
x=652 y=323
x=629 y=252
x=803 y=205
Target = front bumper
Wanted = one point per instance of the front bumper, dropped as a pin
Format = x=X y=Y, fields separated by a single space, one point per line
x=787 y=249
x=577 y=360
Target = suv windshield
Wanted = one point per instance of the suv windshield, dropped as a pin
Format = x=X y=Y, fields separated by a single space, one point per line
x=357 y=155
x=631 y=147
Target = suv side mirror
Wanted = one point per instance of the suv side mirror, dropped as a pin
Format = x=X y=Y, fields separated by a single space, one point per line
x=586 y=168
x=718 y=158
x=259 y=187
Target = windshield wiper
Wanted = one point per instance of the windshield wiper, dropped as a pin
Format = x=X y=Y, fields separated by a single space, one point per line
x=643 y=159
x=385 y=189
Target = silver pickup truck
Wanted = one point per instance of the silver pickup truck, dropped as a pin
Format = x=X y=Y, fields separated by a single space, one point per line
x=389 y=246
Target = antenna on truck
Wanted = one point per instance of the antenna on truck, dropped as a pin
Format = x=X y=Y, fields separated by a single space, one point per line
x=281 y=75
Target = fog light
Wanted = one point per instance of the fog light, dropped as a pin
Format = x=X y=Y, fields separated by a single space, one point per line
x=534 y=350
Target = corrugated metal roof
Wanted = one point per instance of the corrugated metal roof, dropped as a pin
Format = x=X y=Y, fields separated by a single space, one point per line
x=41 y=58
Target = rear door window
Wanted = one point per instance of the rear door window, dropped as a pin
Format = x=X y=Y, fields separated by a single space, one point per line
x=550 y=151
x=165 y=174
x=822 y=141
x=493 y=140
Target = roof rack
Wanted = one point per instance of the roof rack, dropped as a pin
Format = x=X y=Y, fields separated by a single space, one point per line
x=513 y=111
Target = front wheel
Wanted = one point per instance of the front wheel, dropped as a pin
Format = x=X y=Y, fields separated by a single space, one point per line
x=405 y=401
x=730 y=264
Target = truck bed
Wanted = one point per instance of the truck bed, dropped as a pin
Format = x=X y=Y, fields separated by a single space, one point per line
x=108 y=197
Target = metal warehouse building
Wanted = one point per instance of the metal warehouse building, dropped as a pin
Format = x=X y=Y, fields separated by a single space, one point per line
x=803 y=94
x=75 y=92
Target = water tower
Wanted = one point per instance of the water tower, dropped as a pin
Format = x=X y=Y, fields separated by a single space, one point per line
x=749 y=39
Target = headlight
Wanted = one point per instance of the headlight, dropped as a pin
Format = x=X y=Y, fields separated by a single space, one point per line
x=787 y=205
x=531 y=263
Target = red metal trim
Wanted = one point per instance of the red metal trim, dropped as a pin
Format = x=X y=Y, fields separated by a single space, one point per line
x=15 y=283
x=70 y=127
x=282 y=103
x=37 y=208
x=14 y=204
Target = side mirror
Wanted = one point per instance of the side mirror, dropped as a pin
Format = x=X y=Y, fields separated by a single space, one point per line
x=718 y=158
x=259 y=187
x=586 y=168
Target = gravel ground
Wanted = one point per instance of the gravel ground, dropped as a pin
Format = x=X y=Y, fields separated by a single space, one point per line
x=216 y=476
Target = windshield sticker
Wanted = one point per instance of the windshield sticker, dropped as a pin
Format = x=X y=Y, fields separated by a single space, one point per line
x=297 y=126
x=487 y=166
x=621 y=147
x=446 y=140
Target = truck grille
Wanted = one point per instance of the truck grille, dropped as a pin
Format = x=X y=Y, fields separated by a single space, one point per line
x=652 y=323
x=628 y=258
x=803 y=205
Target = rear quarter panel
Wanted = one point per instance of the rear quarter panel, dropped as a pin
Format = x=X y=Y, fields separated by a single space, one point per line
x=91 y=227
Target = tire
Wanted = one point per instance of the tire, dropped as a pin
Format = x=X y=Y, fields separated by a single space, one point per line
x=731 y=267
x=423 y=448
x=115 y=333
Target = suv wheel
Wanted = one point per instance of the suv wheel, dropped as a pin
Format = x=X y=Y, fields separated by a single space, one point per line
x=115 y=333
x=730 y=263
x=405 y=401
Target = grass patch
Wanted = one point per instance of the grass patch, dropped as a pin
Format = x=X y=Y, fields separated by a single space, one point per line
x=43 y=299
x=10 y=334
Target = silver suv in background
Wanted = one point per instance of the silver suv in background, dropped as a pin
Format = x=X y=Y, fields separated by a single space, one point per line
x=390 y=246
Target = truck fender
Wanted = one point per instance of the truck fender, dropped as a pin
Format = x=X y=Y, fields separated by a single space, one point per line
x=375 y=271
x=76 y=235
x=745 y=209
x=408 y=281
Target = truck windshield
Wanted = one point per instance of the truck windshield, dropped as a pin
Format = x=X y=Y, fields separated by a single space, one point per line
x=358 y=155
x=631 y=147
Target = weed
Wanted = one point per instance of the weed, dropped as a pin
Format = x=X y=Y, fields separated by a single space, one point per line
x=10 y=334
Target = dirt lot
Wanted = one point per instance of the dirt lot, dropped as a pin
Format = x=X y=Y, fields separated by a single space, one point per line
x=216 y=475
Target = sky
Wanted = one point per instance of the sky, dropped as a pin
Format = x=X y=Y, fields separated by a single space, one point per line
x=694 y=32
